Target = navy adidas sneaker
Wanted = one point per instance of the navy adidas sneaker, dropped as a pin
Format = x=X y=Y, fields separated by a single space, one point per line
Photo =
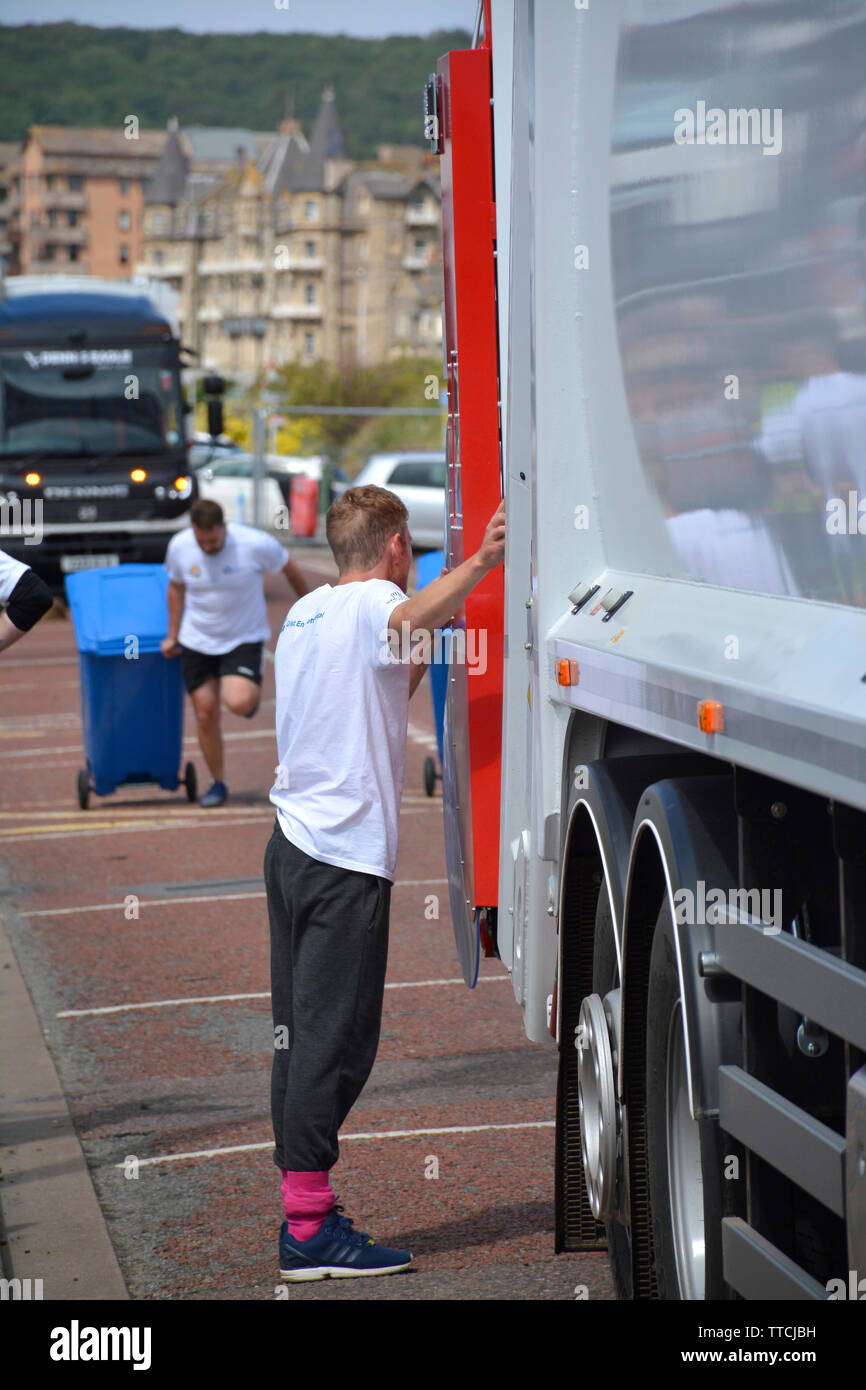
x=336 y=1252
x=215 y=795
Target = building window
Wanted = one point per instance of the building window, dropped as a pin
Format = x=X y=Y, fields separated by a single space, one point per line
x=309 y=346
x=420 y=247
x=309 y=249
x=48 y=253
x=72 y=219
x=158 y=257
x=123 y=252
x=52 y=217
x=123 y=221
x=73 y=253
x=311 y=211
x=159 y=221
x=76 y=182
x=124 y=185
x=309 y=294
x=51 y=181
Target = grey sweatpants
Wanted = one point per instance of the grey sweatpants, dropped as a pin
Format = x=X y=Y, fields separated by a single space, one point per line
x=329 y=949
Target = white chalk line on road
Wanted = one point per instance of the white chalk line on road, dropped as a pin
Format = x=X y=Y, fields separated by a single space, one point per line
x=177 y=898
x=261 y=994
x=344 y=1139
x=418 y=736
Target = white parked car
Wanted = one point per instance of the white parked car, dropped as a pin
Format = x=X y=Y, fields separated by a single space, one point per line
x=230 y=482
x=418 y=479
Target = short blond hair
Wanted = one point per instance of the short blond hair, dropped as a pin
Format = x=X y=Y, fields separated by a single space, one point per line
x=360 y=524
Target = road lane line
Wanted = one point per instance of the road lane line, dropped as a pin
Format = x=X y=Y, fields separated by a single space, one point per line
x=262 y=994
x=127 y=828
x=187 y=898
x=344 y=1139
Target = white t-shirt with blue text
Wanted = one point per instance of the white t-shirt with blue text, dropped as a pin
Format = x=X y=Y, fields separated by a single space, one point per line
x=342 y=716
x=10 y=572
x=224 y=605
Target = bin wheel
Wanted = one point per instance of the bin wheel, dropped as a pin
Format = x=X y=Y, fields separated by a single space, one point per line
x=430 y=775
x=84 y=789
x=190 y=782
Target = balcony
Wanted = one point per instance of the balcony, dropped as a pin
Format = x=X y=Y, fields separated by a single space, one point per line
x=301 y=263
x=55 y=267
x=296 y=311
x=167 y=270
x=235 y=267
x=59 y=236
x=65 y=199
x=417 y=261
x=423 y=217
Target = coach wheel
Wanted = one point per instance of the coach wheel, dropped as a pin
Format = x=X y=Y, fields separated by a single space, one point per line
x=430 y=775
x=84 y=789
x=190 y=781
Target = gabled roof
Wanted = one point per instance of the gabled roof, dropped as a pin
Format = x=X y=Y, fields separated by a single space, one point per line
x=282 y=163
x=326 y=142
x=167 y=183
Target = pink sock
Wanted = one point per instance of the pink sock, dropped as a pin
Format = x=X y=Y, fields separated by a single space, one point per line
x=307 y=1199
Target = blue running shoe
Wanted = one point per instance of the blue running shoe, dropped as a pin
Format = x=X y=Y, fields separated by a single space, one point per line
x=215 y=795
x=336 y=1252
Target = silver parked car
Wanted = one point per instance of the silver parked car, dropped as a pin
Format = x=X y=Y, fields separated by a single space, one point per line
x=418 y=479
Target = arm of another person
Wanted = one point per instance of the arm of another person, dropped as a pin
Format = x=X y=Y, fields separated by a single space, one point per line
x=9 y=633
x=176 y=595
x=295 y=578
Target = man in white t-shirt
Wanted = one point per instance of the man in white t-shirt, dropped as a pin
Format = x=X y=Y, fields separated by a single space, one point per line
x=217 y=620
x=24 y=597
x=342 y=714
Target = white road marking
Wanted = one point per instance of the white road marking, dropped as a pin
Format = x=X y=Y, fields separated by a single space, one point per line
x=185 y=898
x=130 y=827
x=344 y=1138
x=264 y=994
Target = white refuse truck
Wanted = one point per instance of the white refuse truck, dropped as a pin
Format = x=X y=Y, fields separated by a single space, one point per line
x=655 y=797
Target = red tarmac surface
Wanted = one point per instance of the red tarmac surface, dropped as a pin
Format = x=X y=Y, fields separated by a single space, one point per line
x=182 y=1078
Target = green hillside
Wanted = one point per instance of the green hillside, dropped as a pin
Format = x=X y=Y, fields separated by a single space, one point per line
x=74 y=74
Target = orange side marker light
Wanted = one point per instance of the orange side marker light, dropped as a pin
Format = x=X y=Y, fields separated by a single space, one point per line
x=711 y=716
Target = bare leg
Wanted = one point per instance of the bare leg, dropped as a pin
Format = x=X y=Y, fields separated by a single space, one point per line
x=9 y=633
x=240 y=695
x=206 y=703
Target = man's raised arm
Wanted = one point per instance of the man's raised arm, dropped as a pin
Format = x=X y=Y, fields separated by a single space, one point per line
x=434 y=605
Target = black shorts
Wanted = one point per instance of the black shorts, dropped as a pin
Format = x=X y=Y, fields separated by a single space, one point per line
x=198 y=667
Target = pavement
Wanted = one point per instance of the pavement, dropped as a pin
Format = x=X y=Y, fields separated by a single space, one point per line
x=136 y=1038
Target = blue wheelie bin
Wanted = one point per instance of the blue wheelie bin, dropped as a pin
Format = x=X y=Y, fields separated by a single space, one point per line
x=131 y=696
x=429 y=568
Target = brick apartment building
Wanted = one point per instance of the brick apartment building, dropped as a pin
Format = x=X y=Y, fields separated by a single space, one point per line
x=74 y=200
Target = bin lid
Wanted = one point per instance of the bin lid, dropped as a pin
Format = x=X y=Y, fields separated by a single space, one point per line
x=109 y=606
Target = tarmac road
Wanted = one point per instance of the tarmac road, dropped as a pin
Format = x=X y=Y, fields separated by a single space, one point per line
x=140 y=929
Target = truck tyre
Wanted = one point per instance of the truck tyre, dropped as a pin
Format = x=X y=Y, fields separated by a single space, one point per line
x=605 y=977
x=685 y=1158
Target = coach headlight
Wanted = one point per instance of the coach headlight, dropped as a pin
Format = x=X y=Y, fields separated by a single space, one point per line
x=182 y=487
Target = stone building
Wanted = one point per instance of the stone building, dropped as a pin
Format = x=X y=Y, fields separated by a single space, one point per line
x=284 y=249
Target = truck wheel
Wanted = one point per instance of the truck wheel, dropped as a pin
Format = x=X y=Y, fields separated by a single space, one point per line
x=605 y=977
x=684 y=1155
x=84 y=789
x=190 y=781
